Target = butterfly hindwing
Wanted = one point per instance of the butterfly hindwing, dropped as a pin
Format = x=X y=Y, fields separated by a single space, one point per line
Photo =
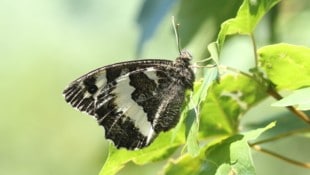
x=135 y=100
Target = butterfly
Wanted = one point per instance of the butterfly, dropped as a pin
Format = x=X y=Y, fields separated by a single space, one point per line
x=135 y=100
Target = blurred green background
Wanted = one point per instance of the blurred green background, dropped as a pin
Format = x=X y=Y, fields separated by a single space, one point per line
x=46 y=44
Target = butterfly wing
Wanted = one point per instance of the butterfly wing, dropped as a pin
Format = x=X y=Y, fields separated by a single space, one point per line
x=133 y=101
x=83 y=92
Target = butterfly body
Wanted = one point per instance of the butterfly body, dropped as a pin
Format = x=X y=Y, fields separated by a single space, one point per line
x=136 y=100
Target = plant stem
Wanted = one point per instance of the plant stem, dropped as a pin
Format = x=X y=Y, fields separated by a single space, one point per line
x=236 y=71
x=254 y=49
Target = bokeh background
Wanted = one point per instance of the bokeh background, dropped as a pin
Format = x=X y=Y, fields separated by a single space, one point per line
x=45 y=44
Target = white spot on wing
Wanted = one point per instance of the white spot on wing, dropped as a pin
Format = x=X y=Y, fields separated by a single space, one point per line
x=151 y=74
x=161 y=108
x=164 y=104
x=101 y=80
x=130 y=108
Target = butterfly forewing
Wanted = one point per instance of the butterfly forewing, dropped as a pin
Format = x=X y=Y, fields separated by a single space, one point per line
x=134 y=100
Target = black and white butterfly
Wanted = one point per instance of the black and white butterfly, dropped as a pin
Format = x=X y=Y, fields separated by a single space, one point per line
x=136 y=100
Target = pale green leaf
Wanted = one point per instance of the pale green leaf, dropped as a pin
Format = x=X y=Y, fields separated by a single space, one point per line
x=185 y=165
x=299 y=99
x=248 y=16
x=287 y=66
x=160 y=149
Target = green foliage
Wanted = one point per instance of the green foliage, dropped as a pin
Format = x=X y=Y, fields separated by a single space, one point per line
x=299 y=98
x=284 y=64
x=161 y=148
x=226 y=102
x=210 y=127
x=229 y=156
x=248 y=16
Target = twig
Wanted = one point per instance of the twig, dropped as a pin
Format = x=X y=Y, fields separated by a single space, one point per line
x=254 y=49
x=236 y=71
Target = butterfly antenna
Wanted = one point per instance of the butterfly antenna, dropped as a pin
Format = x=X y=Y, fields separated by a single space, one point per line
x=176 y=32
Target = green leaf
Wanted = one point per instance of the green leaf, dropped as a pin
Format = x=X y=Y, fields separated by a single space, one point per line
x=254 y=134
x=192 y=133
x=248 y=16
x=237 y=153
x=160 y=149
x=287 y=66
x=299 y=98
x=185 y=165
x=226 y=102
x=191 y=120
x=229 y=156
x=213 y=48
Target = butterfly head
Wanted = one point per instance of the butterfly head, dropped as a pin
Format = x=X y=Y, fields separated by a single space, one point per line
x=185 y=56
x=184 y=59
x=182 y=65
